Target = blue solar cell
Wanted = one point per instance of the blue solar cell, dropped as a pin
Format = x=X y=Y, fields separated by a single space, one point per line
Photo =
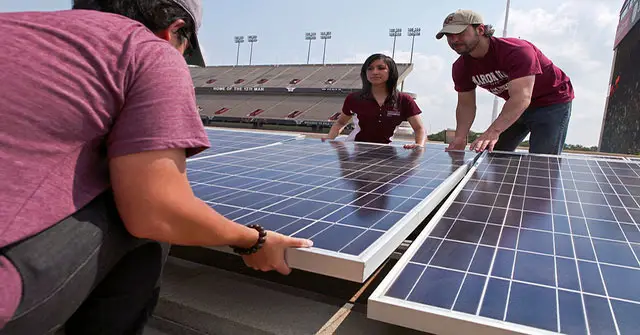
x=563 y=245
x=294 y=227
x=453 y=255
x=388 y=221
x=533 y=306
x=509 y=238
x=535 y=269
x=336 y=237
x=363 y=217
x=571 y=314
x=403 y=285
x=568 y=257
x=426 y=251
x=599 y=315
x=466 y=231
x=584 y=249
x=470 y=294
x=362 y=242
x=615 y=253
x=474 y=212
x=622 y=282
x=627 y=316
x=437 y=287
x=312 y=230
x=503 y=263
x=536 y=241
x=490 y=235
x=495 y=299
x=481 y=262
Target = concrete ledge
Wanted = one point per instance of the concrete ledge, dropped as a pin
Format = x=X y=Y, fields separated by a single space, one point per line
x=198 y=299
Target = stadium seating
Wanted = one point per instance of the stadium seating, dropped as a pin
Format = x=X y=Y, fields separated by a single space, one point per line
x=323 y=111
x=273 y=107
x=285 y=93
x=311 y=76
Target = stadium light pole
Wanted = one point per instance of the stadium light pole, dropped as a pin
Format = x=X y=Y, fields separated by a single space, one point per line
x=238 y=40
x=394 y=32
x=413 y=32
x=325 y=35
x=310 y=37
x=252 y=39
x=494 y=113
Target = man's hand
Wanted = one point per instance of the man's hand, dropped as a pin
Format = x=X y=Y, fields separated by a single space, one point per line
x=272 y=254
x=412 y=146
x=457 y=144
x=485 y=141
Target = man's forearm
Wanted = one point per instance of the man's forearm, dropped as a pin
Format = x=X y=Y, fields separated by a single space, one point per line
x=465 y=116
x=511 y=111
x=190 y=221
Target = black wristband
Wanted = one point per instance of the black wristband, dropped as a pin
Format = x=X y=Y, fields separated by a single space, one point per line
x=262 y=237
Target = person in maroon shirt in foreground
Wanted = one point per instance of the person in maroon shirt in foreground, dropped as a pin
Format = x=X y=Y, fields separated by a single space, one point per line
x=379 y=108
x=98 y=117
x=538 y=94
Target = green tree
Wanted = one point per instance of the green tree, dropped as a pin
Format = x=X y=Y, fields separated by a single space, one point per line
x=437 y=137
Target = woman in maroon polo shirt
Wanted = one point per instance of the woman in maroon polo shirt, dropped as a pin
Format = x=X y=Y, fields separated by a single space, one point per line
x=379 y=108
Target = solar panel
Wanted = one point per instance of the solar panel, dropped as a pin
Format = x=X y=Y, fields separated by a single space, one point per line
x=228 y=140
x=526 y=244
x=356 y=201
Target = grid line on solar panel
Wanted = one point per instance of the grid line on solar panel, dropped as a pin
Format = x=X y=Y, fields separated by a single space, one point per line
x=567 y=252
x=593 y=245
x=260 y=182
x=346 y=202
x=229 y=140
x=355 y=201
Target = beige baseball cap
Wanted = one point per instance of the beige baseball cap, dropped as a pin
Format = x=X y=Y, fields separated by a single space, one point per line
x=458 y=21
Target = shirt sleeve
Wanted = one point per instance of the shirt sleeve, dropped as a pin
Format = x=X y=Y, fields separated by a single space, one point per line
x=409 y=107
x=521 y=61
x=348 y=105
x=461 y=79
x=159 y=110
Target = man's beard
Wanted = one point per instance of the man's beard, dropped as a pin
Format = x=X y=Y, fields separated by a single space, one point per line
x=469 y=46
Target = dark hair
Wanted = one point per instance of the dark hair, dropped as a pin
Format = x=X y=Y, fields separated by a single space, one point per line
x=154 y=14
x=392 y=82
x=488 y=29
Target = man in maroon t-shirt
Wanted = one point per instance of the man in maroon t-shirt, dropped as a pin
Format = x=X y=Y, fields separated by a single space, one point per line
x=538 y=94
x=98 y=116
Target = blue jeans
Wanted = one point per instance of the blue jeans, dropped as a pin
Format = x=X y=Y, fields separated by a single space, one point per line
x=547 y=125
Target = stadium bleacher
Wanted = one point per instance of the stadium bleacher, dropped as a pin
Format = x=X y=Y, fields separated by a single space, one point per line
x=345 y=76
x=277 y=94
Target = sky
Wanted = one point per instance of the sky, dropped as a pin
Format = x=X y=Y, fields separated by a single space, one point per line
x=577 y=35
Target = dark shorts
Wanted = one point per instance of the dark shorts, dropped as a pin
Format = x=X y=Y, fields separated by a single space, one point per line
x=88 y=274
x=548 y=127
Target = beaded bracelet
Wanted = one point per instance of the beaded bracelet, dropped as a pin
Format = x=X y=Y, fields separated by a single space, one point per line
x=262 y=237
